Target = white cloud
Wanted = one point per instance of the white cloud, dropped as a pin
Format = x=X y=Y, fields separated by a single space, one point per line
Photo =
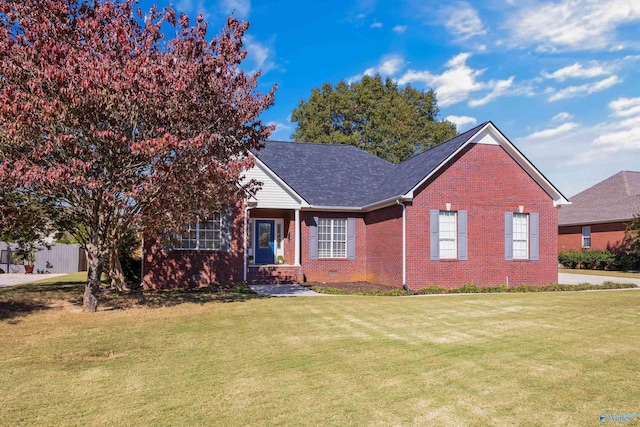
x=376 y=25
x=388 y=66
x=400 y=29
x=258 y=55
x=282 y=131
x=562 y=116
x=550 y=133
x=240 y=8
x=457 y=82
x=572 y=24
x=577 y=71
x=625 y=107
x=499 y=87
x=462 y=20
x=586 y=89
x=461 y=121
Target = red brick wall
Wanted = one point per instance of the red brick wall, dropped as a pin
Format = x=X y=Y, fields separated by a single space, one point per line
x=168 y=269
x=603 y=236
x=384 y=246
x=335 y=270
x=486 y=182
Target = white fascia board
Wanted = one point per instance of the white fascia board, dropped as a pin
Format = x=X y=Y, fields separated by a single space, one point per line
x=367 y=208
x=280 y=181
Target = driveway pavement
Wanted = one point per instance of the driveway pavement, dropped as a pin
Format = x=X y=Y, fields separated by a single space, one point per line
x=11 y=279
x=576 y=279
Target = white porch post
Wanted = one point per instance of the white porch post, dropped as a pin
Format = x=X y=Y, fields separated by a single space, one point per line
x=297 y=237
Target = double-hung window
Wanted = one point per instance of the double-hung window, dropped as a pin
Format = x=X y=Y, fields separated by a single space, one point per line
x=586 y=237
x=447 y=234
x=520 y=236
x=332 y=238
x=203 y=234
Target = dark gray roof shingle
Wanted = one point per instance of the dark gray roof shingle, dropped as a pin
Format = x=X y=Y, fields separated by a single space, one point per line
x=615 y=198
x=343 y=175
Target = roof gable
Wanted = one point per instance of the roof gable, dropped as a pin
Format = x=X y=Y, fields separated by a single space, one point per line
x=343 y=176
x=616 y=198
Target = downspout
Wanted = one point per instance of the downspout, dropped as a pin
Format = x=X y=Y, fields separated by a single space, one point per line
x=247 y=208
x=404 y=247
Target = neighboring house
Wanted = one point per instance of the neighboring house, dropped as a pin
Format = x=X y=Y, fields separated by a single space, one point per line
x=471 y=210
x=58 y=258
x=598 y=217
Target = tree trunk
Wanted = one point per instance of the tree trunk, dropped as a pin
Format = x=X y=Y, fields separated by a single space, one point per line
x=118 y=281
x=96 y=263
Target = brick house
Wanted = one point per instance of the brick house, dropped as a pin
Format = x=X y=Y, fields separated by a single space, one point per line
x=598 y=216
x=471 y=210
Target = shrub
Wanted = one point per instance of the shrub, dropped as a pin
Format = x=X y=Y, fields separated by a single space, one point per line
x=590 y=259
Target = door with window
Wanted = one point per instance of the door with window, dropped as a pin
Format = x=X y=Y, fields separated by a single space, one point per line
x=264 y=242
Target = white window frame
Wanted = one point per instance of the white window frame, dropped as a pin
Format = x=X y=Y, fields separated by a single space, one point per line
x=520 y=236
x=332 y=243
x=448 y=234
x=191 y=240
x=586 y=237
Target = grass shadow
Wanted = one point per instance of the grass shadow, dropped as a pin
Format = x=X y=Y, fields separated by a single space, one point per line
x=65 y=292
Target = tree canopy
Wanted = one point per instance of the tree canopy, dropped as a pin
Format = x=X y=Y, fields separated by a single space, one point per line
x=372 y=114
x=120 y=126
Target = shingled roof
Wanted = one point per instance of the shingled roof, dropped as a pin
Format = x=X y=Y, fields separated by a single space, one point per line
x=328 y=175
x=617 y=198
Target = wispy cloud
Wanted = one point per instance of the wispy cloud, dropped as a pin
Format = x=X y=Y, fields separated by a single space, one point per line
x=625 y=107
x=399 y=29
x=498 y=88
x=550 y=133
x=259 y=55
x=572 y=24
x=577 y=70
x=562 y=117
x=585 y=89
x=389 y=65
x=376 y=25
x=457 y=82
x=282 y=131
x=240 y=8
x=461 y=121
x=462 y=20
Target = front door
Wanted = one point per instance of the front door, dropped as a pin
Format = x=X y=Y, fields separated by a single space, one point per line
x=264 y=242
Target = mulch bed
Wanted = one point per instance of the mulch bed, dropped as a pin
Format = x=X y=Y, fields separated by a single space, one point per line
x=351 y=286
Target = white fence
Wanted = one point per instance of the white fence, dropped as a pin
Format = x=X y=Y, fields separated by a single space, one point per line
x=60 y=258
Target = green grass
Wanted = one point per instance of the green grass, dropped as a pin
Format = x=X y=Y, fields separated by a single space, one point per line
x=601 y=273
x=500 y=359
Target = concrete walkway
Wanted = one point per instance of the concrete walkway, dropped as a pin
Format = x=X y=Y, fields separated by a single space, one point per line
x=11 y=279
x=284 y=291
x=577 y=279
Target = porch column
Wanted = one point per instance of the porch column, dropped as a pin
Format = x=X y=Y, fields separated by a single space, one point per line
x=297 y=237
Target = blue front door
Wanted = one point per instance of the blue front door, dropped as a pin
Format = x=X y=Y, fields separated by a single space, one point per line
x=264 y=242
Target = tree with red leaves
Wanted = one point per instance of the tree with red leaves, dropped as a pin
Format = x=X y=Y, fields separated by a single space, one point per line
x=120 y=126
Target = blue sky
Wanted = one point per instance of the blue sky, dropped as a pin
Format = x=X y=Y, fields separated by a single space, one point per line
x=557 y=77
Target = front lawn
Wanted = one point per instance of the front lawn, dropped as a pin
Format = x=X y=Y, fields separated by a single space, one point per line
x=500 y=359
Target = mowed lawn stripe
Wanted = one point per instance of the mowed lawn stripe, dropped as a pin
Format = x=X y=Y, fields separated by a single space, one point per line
x=512 y=359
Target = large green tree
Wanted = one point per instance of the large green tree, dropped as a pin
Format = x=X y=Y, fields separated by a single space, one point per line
x=375 y=115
